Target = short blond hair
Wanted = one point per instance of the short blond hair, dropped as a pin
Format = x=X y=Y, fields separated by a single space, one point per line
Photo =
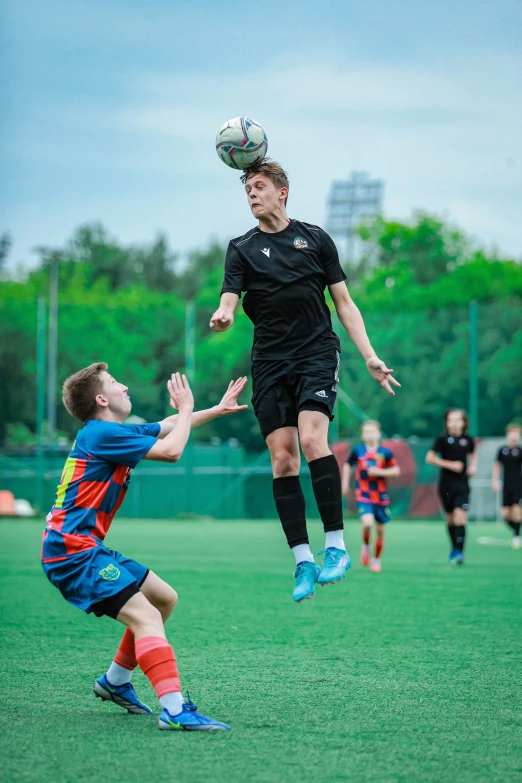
x=513 y=426
x=80 y=390
x=269 y=168
x=374 y=422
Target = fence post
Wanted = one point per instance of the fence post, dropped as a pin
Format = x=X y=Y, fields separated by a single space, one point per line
x=473 y=368
x=40 y=400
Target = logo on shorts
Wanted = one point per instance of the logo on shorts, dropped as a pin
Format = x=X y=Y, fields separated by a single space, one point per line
x=300 y=243
x=111 y=573
x=465 y=506
x=322 y=393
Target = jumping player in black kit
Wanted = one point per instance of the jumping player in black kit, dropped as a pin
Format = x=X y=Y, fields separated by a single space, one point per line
x=509 y=457
x=454 y=446
x=284 y=267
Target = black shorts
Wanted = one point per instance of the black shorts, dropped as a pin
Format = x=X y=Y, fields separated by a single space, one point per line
x=284 y=388
x=454 y=496
x=512 y=496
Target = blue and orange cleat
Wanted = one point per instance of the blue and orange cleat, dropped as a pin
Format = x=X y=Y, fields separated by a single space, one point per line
x=189 y=720
x=453 y=555
x=335 y=565
x=122 y=695
x=306 y=575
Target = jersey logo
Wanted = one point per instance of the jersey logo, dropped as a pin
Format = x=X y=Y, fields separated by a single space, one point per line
x=463 y=442
x=451 y=440
x=110 y=573
x=300 y=243
x=322 y=393
x=266 y=251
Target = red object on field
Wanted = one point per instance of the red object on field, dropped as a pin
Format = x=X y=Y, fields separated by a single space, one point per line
x=7 y=503
x=425 y=501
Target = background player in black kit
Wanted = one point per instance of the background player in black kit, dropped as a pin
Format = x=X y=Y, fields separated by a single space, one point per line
x=284 y=267
x=453 y=447
x=509 y=457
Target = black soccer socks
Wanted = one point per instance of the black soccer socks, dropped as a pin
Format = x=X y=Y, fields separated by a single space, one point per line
x=290 y=504
x=459 y=532
x=326 y=483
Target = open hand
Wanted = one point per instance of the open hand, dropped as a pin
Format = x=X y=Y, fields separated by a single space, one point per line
x=495 y=485
x=382 y=374
x=471 y=470
x=221 y=320
x=229 y=403
x=181 y=398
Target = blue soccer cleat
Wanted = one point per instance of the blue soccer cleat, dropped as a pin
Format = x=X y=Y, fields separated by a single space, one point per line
x=122 y=695
x=335 y=565
x=459 y=558
x=306 y=575
x=453 y=555
x=189 y=720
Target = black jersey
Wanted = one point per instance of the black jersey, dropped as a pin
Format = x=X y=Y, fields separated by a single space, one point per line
x=511 y=460
x=454 y=449
x=284 y=276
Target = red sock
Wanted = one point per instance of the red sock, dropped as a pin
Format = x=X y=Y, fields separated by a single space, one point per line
x=379 y=546
x=158 y=662
x=126 y=655
x=366 y=535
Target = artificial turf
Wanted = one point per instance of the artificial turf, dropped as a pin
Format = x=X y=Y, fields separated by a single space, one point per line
x=410 y=675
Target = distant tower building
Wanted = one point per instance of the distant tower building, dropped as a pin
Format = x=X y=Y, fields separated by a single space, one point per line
x=350 y=203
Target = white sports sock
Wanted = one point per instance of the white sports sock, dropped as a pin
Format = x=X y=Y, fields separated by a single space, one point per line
x=303 y=552
x=173 y=702
x=335 y=538
x=118 y=675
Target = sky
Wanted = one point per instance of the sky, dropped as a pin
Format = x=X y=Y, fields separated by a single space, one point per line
x=109 y=111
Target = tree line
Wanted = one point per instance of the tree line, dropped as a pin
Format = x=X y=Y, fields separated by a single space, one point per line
x=126 y=305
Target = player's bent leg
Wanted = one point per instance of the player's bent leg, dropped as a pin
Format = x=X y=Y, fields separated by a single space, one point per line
x=326 y=484
x=158 y=662
x=379 y=546
x=290 y=504
x=367 y=521
x=160 y=594
x=450 y=526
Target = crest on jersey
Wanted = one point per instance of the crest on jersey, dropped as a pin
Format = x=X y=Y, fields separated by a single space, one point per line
x=463 y=442
x=451 y=440
x=300 y=243
x=110 y=573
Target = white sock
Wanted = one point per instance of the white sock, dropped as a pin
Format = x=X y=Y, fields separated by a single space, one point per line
x=118 y=675
x=335 y=538
x=173 y=702
x=303 y=552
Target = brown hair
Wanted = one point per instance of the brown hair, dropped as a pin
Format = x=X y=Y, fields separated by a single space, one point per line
x=80 y=390
x=513 y=426
x=464 y=416
x=372 y=421
x=270 y=169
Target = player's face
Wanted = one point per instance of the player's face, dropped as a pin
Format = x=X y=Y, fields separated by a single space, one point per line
x=513 y=437
x=263 y=196
x=455 y=423
x=370 y=433
x=116 y=395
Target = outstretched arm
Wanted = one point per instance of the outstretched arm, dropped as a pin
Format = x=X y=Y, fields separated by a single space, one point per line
x=171 y=447
x=351 y=318
x=226 y=407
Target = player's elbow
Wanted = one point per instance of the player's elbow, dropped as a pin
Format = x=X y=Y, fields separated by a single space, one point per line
x=429 y=459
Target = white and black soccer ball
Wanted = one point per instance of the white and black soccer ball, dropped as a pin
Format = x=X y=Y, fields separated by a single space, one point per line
x=241 y=142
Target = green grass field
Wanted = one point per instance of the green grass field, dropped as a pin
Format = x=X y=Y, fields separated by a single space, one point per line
x=409 y=675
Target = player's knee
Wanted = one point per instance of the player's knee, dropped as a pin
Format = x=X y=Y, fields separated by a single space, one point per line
x=169 y=601
x=312 y=445
x=284 y=463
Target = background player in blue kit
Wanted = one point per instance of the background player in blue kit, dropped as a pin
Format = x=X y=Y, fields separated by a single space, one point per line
x=373 y=464
x=99 y=580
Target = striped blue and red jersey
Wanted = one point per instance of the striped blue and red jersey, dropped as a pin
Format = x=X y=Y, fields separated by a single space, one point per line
x=371 y=489
x=93 y=485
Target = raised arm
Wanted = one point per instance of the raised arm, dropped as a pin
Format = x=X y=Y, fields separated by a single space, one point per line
x=351 y=318
x=170 y=448
x=226 y=407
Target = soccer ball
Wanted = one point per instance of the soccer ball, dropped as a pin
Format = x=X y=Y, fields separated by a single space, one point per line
x=241 y=142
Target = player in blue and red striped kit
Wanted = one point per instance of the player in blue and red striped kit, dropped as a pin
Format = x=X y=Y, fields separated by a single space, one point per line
x=373 y=464
x=97 y=579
